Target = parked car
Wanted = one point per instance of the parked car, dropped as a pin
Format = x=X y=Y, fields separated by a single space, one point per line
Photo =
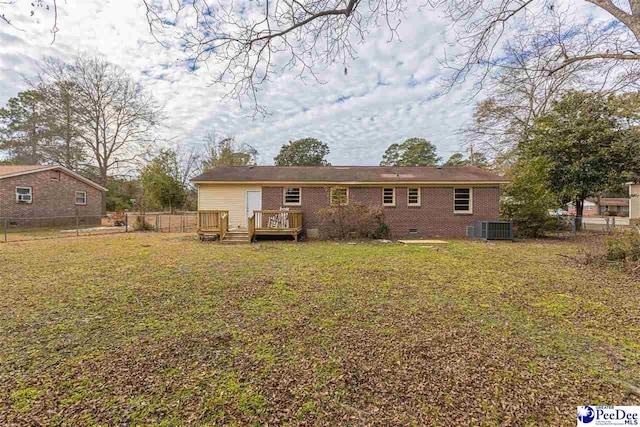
x=558 y=212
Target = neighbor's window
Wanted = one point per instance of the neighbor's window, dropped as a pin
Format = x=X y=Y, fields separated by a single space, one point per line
x=24 y=194
x=389 y=196
x=339 y=196
x=413 y=197
x=81 y=197
x=292 y=196
x=462 y=200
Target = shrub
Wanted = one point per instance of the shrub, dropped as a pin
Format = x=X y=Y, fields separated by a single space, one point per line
x=623 y=246
x=527 y=199
x=352 y=221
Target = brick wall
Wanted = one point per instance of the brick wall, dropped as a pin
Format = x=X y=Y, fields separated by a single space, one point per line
x=434 y=218
x=50 y=199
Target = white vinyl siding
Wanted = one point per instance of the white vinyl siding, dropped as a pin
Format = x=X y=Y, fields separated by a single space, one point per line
x=226 y=197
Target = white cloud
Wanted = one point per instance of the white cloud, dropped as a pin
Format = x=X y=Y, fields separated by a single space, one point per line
x=388 y=94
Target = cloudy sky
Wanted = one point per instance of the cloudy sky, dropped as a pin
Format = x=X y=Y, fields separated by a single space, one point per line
x=390 y=92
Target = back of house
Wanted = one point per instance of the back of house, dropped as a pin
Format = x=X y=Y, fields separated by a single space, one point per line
x=36 y=195
x=417 y=201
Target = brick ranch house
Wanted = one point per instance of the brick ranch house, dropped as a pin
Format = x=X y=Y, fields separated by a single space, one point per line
x=417 y=201
x=48 y=195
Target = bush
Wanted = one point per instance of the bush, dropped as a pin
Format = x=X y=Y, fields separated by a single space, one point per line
x=527 y=199
x=352 y=221
x=623 y=246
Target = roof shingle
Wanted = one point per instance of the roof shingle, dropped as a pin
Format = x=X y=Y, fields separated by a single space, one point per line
x=11 y=169
x=349 y=174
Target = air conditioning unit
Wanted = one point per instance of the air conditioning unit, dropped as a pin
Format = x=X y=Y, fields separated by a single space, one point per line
x=24 y=198
x=491 y=230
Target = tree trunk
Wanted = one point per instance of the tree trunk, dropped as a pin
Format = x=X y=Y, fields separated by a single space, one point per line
x=579 y=209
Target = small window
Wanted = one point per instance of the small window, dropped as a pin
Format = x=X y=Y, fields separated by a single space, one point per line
x=413 y=197
x=292 y=196
x=81 y=197
x=24 y=194
x=389 y=196
x=462 y=200
x=55 y=175
x=339 y=196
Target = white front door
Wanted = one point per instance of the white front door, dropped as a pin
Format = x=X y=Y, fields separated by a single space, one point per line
x=253 y=203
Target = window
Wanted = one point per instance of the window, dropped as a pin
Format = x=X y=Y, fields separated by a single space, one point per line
x=413 y=197
x=339 y=196
x=292 y=196
x=55 y=175
x=589 y=208
x=389 y=196
x=81 y=197
x=462 y=200
x=24 y=194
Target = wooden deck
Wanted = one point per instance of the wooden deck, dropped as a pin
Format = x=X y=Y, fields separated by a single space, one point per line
x=261 y=223
x=213 y=223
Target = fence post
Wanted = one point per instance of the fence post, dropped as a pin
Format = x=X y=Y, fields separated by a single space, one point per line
x=182 y=223
x=613 y=225
x=170 y=222
x=126 y=222
x=158 y=223
x=6 y=225
x=77 y=226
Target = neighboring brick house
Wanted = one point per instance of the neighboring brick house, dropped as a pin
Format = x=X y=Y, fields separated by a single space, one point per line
x=48 y=195
x=417 y=201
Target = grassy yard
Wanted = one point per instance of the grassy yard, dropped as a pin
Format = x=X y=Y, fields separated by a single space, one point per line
x=163 y=329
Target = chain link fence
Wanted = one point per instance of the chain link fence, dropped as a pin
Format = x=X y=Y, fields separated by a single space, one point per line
x=567 y=227
x=57 y=227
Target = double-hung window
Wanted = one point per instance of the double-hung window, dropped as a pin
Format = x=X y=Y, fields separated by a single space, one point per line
x=339 y=196
x=292 y=196
x=81 y=197
x=389 y=196
x=413 y=196
x=462 y=200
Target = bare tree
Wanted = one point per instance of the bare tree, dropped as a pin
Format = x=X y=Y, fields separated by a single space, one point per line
x=480 y=28
x=226 y=152
x=36 y=6
x=116 y=115
x=520 y=89
x=252 y=42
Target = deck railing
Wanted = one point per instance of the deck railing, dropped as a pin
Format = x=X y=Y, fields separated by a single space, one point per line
x=224 y=225
x=211 y=220
x=252 y=227
x=277 y=220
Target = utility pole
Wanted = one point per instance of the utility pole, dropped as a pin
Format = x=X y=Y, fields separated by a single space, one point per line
x=471 y=154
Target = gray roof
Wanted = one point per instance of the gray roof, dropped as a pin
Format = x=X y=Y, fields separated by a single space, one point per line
x=349 y=174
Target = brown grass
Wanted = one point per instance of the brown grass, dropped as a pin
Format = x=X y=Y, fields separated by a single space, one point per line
x=162 y=329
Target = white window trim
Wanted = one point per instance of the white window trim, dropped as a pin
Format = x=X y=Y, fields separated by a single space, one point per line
x=76 y=198
x=419 y=197
x=470 y=211
x=331 y=195
x=393 y=194
x=19 y=187
x=284 y=197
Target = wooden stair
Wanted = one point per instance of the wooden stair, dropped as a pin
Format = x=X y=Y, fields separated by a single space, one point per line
x=234 y=237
